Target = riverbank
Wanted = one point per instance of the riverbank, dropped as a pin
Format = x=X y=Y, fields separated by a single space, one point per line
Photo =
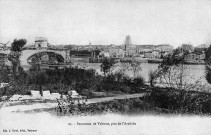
x=146 y=60
x=186 y=62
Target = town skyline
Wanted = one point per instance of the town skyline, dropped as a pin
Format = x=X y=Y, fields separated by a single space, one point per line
x=107 y=22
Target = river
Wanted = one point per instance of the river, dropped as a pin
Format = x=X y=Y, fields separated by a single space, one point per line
x=191 y=72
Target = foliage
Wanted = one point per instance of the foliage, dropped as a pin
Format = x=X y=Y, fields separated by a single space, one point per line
x=120 y=106
x=187 y=47
x=208 y=73
x=112 y=82
x=208 y=65
x=174 y=77
x=13 y=57
x=61 y=80
x=39 y=79
x=22 y=77
x=152 y=78
x=172 y=71
x=18 y=45
x=139 y=81
x=178 y=101
x=5 y=74
x=136 y=106
x=73 y=78
x=83 y=81
x=118 y=82
x=112 y=86
x=137 y=84
x=173 y=59
x=133 y=66
x=107 y=65
x=17 y=86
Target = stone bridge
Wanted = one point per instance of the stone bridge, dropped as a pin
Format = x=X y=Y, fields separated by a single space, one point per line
x=29 y=57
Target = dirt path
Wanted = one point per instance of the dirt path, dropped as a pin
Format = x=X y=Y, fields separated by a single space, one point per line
x=98 y=100
x=27 y=107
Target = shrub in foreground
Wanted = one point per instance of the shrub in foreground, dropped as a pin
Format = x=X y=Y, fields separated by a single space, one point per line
x=178 y=101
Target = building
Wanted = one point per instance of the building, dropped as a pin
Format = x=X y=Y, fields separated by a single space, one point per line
x=43 y=54
x=163 y=48
x=41 y=42
x=152 y=54
x=131 y=51
x=204 y=46
x=128 y=42
x=104 y=54
x=80 y=53
x=129 y=48
x=156 y=54
x=187 y=47
x=116 y=52
x=148 y=54
x=195 y=57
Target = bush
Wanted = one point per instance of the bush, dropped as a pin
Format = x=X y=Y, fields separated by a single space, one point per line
x=113 y=87
x=118 y=82
x=139 y=81
x=86 y=92
x=124 y=88
x=81 y=80
x=178 y=101
x=107 y=65
x=115 y=83
x=152 y=78
x=208 y=65
x=16 y=89
x=136 y=84
x=62 y=80
x=120 y=106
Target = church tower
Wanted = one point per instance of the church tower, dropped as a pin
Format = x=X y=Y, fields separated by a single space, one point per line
x=127 y=42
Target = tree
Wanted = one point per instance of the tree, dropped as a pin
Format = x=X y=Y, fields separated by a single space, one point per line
x=41 y=79
x=18 y=45
x=133 y=66
x=4 y=74
x=208 y=65
x=152 y=78
x=14 y=56
x=38 y=77
x=172 y=71
x=107 y=66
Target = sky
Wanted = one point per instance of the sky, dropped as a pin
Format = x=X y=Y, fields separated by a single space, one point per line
x=107 y=21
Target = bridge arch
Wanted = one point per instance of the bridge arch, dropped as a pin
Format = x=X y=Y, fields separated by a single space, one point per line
x=30 y=57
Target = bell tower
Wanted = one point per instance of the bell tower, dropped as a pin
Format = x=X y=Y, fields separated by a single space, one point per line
x=127 y=42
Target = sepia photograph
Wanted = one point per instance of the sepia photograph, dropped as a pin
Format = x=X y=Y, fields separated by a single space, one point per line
x=105 y=67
